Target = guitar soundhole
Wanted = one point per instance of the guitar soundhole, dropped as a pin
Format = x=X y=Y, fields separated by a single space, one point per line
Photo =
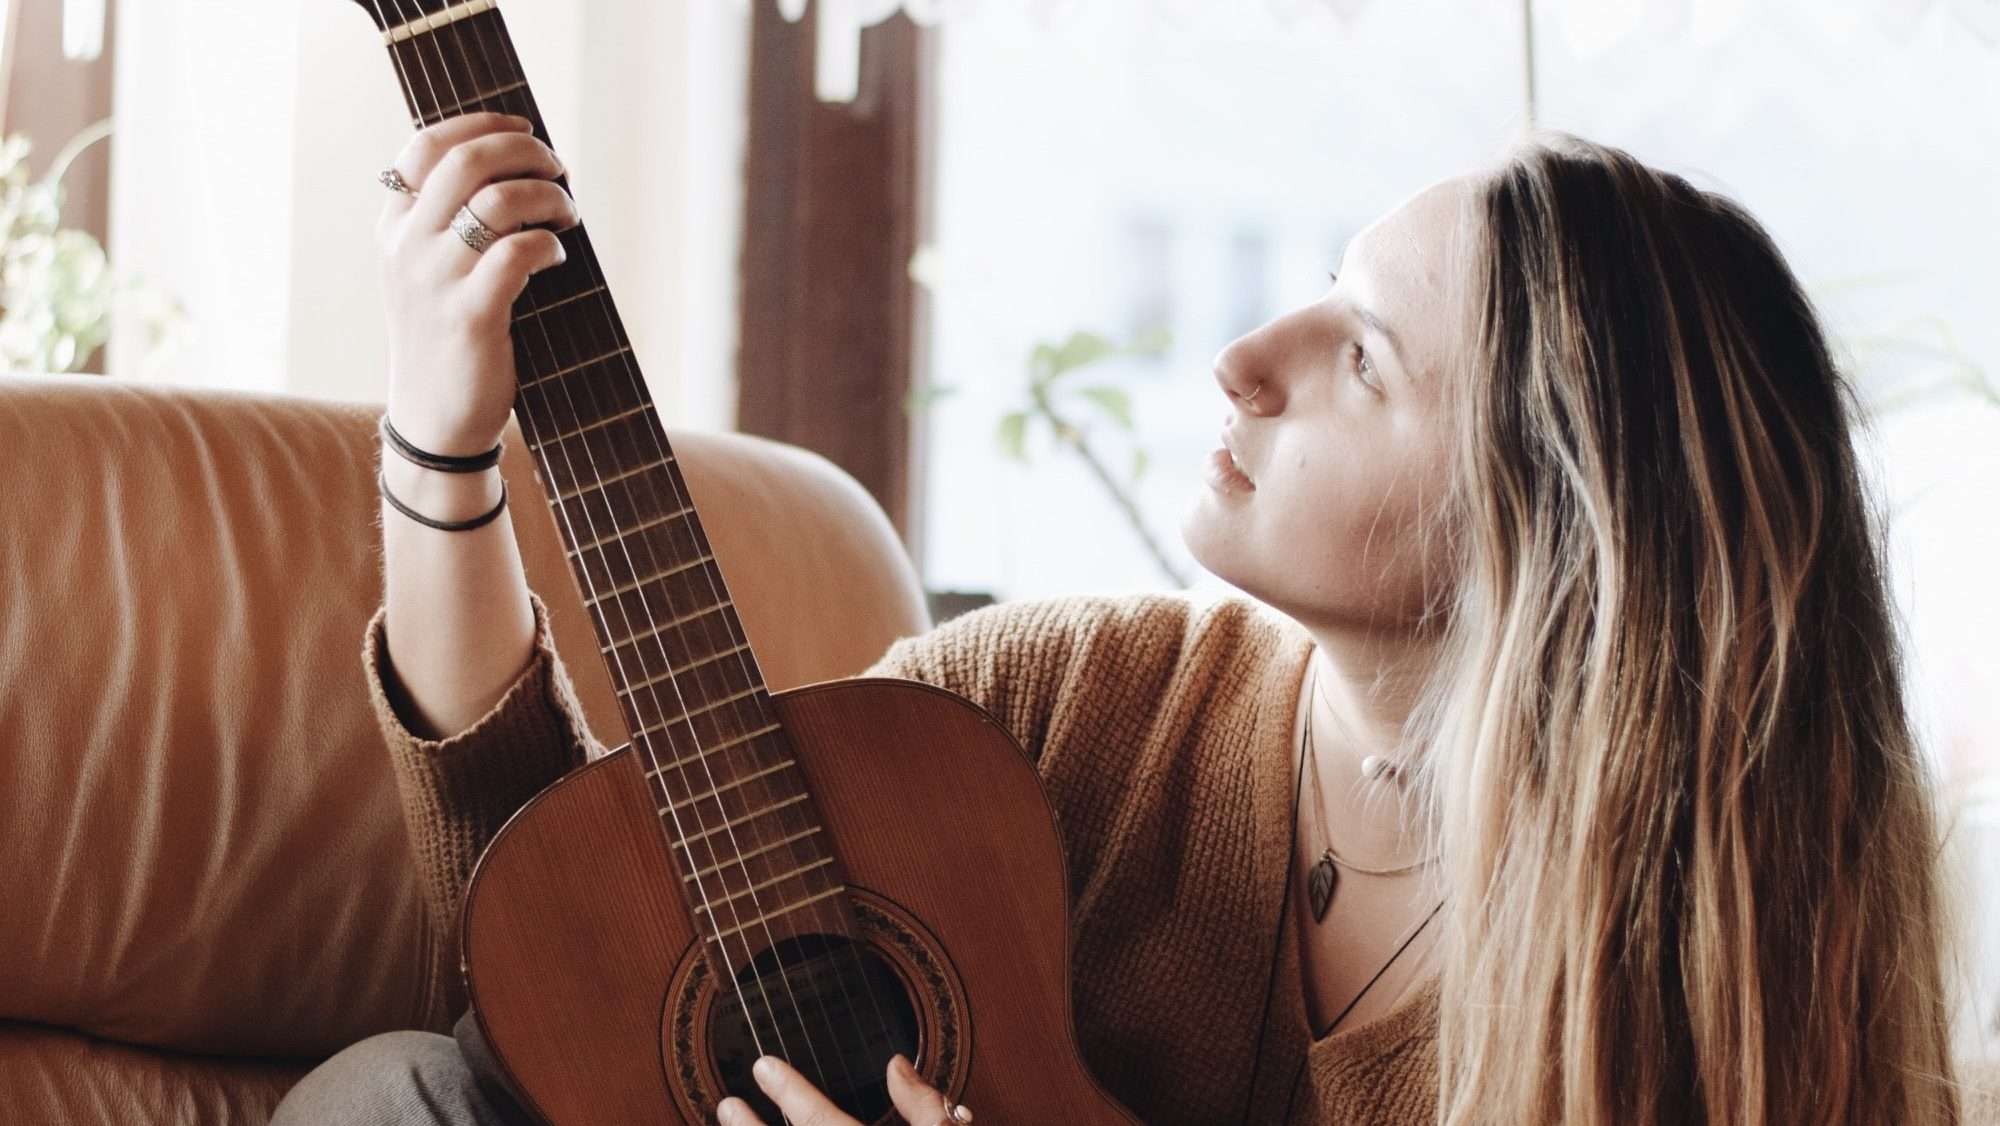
x=832 y=1007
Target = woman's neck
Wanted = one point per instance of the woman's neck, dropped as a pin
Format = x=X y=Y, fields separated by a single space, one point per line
x=1359 y=696
x=1368 y=685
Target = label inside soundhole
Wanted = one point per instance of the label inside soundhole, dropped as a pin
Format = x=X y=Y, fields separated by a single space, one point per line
x=830 y=1007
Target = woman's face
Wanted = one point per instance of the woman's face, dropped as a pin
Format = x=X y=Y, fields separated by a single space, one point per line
x=1335 y=432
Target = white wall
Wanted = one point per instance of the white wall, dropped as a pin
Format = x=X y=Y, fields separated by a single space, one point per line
x=250 y=134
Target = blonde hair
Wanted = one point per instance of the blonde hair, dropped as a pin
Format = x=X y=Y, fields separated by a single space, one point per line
x=1690 y=843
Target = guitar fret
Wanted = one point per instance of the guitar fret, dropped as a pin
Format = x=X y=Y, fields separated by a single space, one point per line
x=735 y=821
x=560 y=302
x=558 y=374
x=601 y=482
x=751 y=855
x=673 y=672
x=619 y=535
x=684 y=760
x=642 y=408
x=727 y=786
x=457 y=108
x=767 y=916
x=424 y=25
x=703 y=710
x=757 y=887
x=635 y=584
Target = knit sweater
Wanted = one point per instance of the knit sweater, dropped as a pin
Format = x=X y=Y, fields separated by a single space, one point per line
x=1162 y=732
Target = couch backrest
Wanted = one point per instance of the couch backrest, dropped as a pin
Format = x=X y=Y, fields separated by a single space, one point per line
x=200 y=847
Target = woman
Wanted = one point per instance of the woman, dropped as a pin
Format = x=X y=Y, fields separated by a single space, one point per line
x=1571 y=783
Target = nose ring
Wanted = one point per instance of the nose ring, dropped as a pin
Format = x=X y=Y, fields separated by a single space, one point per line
x=1252 y=396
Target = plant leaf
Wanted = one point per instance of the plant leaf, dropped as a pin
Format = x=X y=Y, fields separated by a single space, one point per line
x=1139 y=463
x=1013 y=435
x=1081 y=349
x=1112 y=401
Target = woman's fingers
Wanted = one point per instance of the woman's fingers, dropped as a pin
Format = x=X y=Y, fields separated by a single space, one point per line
x=733 y=1111
x=503 y=271
x=917 y=1101
x=508 y=206
x=801 y=1102
x=500 y=274
x=422 y=152
x=803 y=1105
x=474 y=164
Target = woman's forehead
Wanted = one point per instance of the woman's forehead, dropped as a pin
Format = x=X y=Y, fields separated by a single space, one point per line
x=1400 y=268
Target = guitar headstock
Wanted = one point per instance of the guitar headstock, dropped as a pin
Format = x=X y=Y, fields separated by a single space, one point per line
x=390 y=14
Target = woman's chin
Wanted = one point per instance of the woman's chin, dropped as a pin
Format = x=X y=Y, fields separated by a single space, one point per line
x=1208 y=535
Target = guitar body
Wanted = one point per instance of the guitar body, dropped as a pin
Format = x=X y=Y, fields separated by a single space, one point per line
x=587 y=973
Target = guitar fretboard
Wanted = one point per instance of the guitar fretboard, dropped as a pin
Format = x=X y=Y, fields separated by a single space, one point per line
x=733 y=802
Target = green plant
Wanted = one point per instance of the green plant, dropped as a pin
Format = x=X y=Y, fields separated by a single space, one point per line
x=1055 y=403
x=57 y=289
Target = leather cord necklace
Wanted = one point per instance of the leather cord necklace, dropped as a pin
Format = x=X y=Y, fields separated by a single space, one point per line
x=1320 y=883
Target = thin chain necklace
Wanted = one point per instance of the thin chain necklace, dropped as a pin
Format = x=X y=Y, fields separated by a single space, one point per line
x=1320 y=883
x=1324 y=877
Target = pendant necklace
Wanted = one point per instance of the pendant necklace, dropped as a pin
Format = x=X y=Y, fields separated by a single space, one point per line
x=1325 y=874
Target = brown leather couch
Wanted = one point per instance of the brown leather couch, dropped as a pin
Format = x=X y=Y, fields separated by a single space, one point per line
x=204 y=879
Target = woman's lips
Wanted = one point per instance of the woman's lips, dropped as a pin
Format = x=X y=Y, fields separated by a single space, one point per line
x=1225 y=475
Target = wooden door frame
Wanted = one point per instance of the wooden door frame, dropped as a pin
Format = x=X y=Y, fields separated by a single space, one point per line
x=836 y=201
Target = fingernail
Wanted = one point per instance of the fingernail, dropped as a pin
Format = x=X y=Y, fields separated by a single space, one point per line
x=765 y=1069
x=522 y=122
x=903 y=1065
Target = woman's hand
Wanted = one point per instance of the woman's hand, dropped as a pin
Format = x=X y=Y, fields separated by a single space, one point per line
x=451 y=362
x=918 y=1102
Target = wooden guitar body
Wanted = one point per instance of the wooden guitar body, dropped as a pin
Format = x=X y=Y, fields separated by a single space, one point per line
x=588 y=977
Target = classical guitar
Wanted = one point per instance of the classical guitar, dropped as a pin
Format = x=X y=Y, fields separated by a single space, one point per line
x=830 y=874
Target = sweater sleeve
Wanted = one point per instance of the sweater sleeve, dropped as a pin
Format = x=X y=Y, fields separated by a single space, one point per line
x=457 y=792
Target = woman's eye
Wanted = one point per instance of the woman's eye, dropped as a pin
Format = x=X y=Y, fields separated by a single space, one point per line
x=1365 y=364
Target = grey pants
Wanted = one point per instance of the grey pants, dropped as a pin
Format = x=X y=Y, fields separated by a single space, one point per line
x=407 y=1079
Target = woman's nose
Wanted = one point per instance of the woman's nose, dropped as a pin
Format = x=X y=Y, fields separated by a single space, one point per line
x=1240 y=382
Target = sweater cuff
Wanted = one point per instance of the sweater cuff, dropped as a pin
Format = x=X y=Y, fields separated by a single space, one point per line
x=459 y=790
x=540 y=699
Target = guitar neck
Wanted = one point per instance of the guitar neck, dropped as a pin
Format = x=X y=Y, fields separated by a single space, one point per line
x=692 y=694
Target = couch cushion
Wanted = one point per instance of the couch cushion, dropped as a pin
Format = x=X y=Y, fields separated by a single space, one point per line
x=49 y=1077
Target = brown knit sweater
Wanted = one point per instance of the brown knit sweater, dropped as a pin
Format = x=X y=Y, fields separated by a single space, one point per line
x=1162 y=731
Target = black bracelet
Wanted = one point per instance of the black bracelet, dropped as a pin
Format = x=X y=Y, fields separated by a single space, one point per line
x=478 y=521
x=443 y=463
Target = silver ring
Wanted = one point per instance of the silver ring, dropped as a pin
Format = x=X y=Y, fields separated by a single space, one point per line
x=476 y=234
x=955 y=1115
x=393 y=180
x=1252 y=396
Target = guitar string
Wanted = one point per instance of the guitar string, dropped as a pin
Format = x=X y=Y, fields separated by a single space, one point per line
x=535 y=445
x=761 y=918
x=652 y=690
x=757 y=701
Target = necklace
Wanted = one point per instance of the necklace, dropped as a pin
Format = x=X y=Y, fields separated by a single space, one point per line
x=1325 y=877
x=1320 y=882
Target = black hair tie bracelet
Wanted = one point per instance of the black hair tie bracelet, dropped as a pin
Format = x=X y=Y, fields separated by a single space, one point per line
x=443 y=463
x=478 y=521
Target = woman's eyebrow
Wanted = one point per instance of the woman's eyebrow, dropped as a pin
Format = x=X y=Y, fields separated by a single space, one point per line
x=1376 y=323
